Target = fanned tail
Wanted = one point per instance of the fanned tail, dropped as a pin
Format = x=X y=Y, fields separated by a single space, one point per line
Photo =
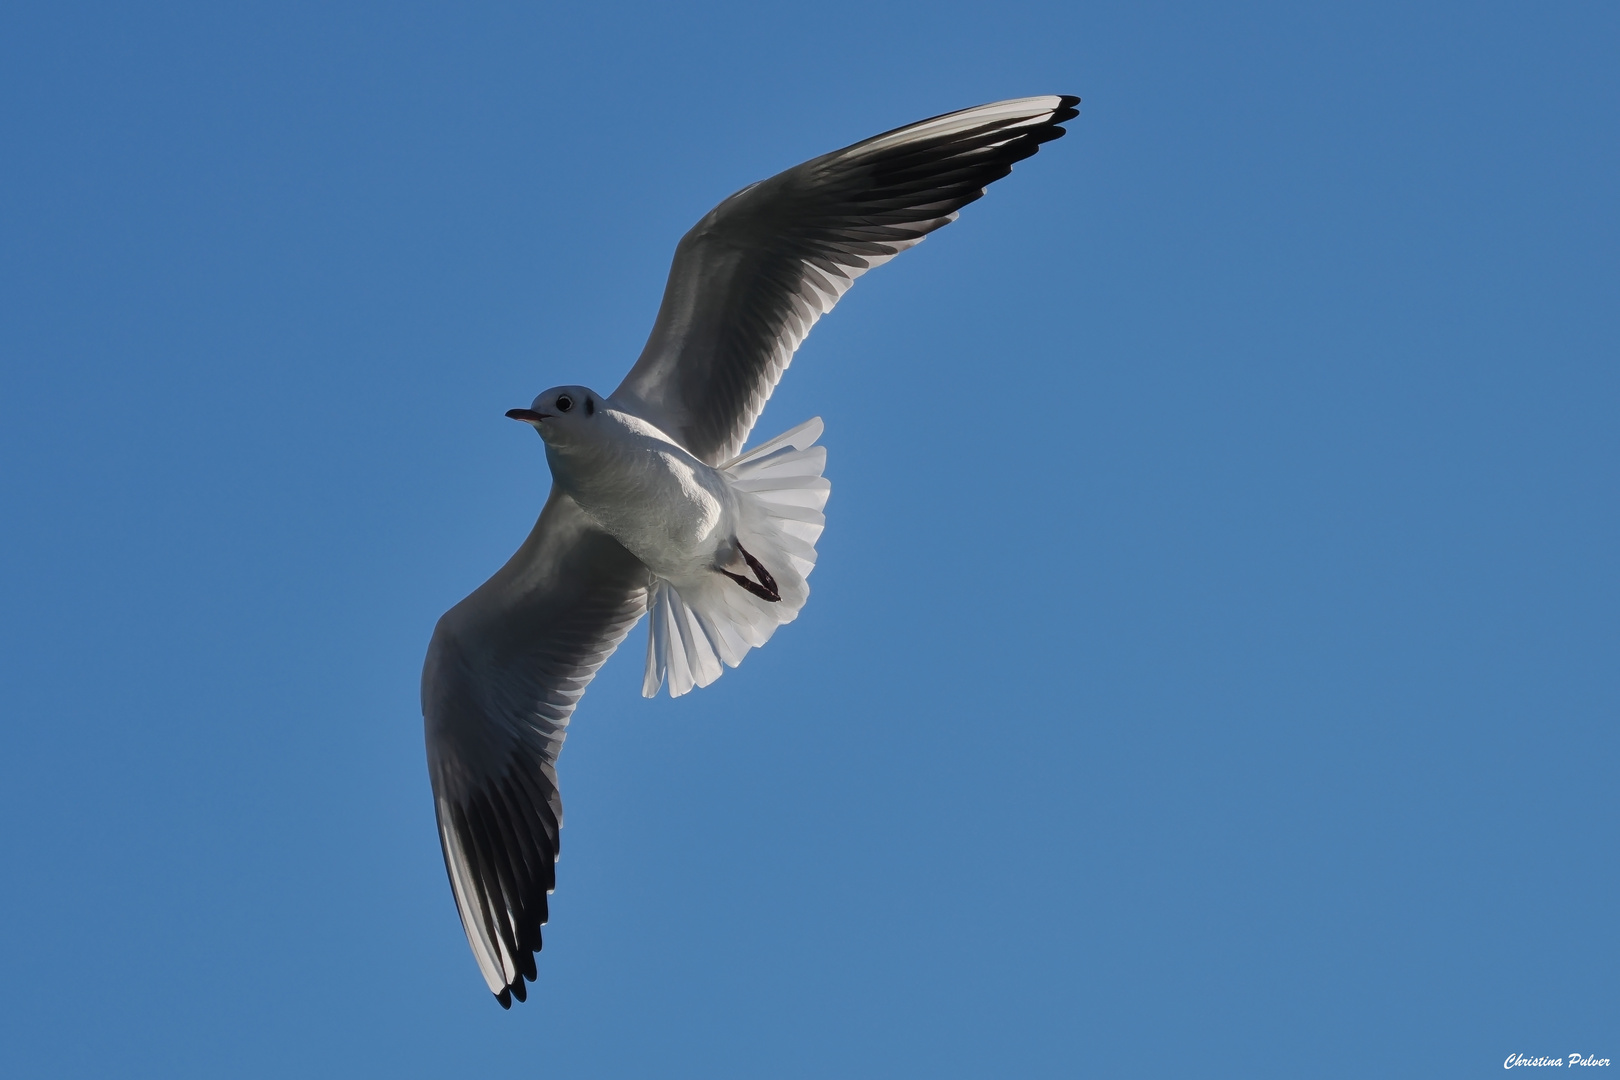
x=697 y=626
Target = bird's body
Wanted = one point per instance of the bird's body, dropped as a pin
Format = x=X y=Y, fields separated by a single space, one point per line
x=701 y=532
x=667 y=508
x=654 y=511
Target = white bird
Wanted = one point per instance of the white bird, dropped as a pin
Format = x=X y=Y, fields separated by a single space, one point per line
x=652 y=510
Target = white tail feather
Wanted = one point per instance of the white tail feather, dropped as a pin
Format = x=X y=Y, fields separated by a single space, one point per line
x=695 y=627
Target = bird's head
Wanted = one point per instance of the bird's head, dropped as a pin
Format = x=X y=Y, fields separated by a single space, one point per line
x=560 y=412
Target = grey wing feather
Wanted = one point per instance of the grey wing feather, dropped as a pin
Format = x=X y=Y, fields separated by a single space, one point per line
x=504 y=671
x=750 y=280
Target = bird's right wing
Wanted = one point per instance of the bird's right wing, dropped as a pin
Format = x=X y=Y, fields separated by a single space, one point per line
x=504 y=671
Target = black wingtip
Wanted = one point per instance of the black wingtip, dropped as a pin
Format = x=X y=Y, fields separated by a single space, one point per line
x=519 y=989
x=504 y=997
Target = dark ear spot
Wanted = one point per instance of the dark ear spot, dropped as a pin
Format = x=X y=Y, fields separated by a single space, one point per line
x=590 y=406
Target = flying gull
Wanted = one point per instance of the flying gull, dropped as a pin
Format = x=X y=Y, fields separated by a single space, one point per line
x=655 y=510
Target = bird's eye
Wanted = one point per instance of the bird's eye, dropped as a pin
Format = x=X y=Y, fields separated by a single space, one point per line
x=564 y=403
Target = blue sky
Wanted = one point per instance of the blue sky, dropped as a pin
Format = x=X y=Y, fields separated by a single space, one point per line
x=1212 y=662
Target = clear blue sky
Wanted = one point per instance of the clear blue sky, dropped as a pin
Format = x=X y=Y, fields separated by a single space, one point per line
x=1213 y=664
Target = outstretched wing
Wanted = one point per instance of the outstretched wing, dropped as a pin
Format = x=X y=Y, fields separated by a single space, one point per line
x=504 y=671
x=752 y=278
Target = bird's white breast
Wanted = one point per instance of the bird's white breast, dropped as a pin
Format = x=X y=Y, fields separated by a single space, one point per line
x=668 y=508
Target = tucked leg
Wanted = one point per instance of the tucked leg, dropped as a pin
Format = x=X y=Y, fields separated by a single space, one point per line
x=765 y=587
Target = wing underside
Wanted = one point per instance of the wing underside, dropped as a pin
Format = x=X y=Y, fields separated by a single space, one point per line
x=750 y=280
x=504 y=671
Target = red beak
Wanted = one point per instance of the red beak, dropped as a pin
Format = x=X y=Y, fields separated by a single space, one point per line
x=528 y=416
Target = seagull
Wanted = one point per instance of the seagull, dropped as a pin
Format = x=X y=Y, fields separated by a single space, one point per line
x=655 y=510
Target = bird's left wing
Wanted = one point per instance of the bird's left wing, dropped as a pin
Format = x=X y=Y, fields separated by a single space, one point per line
x=504 y=671
x=750 y=280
